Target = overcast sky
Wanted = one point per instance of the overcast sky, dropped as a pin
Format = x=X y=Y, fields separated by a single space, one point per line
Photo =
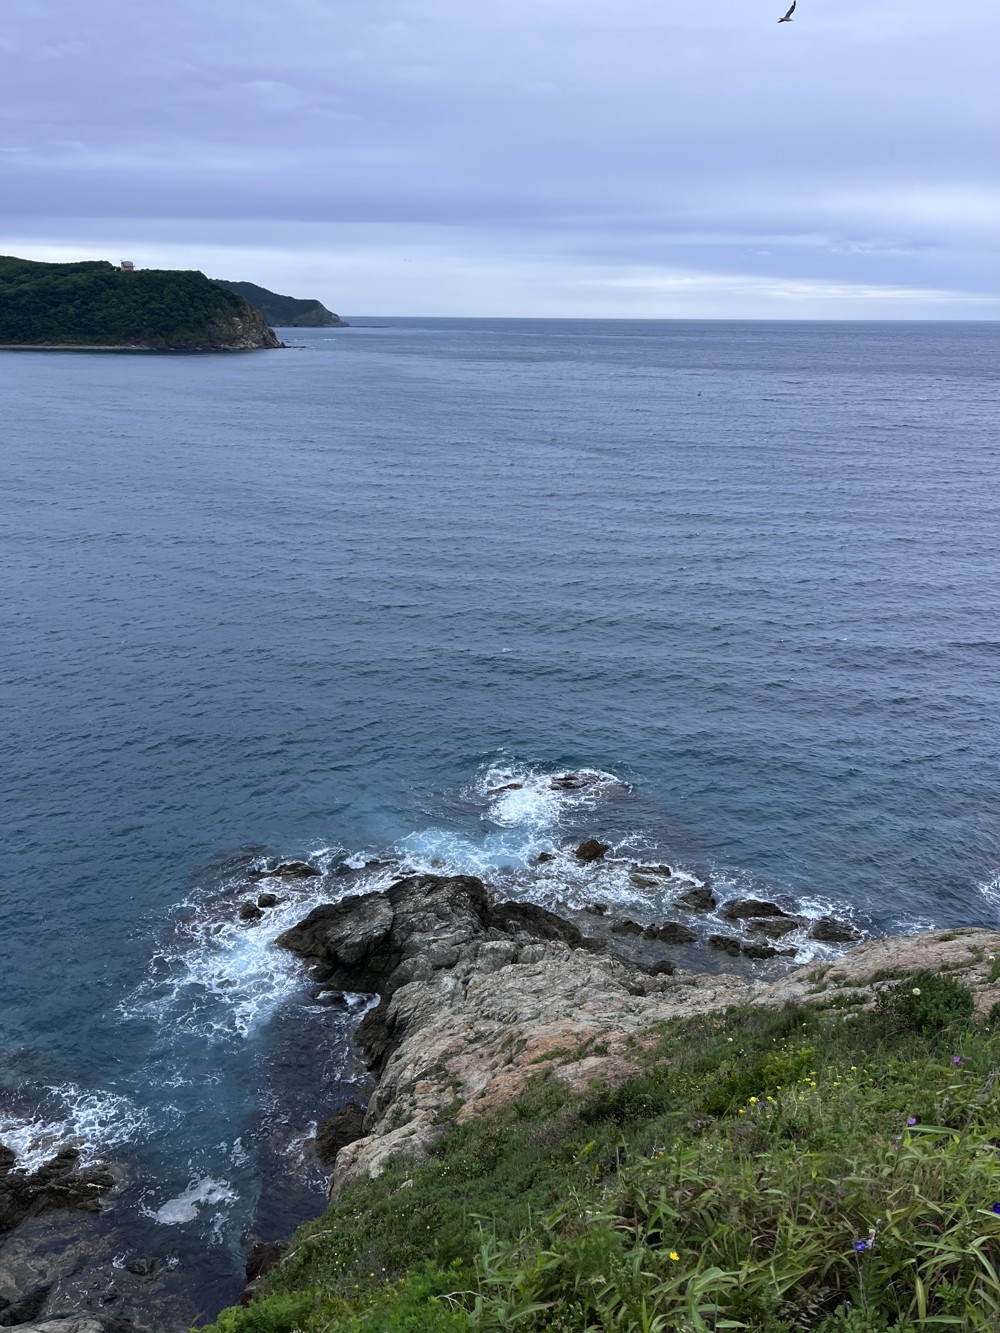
x=518 y=157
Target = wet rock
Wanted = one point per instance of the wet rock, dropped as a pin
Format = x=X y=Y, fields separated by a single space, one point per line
x=596 y=909
x=59 y=1184
x=591 y=849
x=762 y=951
x=660 y=871
x=250 y=912
x=773 y=928
x=508 y=786
x=696 y=900
x=346 y=1126
x=744 y=908
x=571 y=781
x=828 y=930
x=8 y=1159
x=643 y=881
x=264 y=1255
x=334 y=999
x=268 y=900
x=544 y=857
x=528 y=918
x=145 y=1267
x=671 y=932
x=294 y=870
x=726 y=943
x=82 y=1324
x=626 y=927
x=25 y=1309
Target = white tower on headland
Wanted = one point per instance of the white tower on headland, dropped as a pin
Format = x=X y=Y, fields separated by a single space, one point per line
x=127 y=266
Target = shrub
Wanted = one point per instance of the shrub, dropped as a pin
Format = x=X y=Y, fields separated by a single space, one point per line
x=926 y=1002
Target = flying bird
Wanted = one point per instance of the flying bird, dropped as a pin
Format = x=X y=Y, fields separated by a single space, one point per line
x=788 y=16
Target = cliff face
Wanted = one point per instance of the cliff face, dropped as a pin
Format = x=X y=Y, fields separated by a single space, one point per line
x=98 y=306
x=477 y=997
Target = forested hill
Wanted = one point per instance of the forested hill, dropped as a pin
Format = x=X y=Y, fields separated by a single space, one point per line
x=94 y=304
x=285 y=311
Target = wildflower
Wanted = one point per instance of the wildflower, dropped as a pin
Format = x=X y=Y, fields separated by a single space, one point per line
x=753 y=1101
x=911 y=1119
x=996 y=1209
x=860 y=1246
x=916 y=990
x=729 y=1039
x=957 y=1060
x=675 y=1256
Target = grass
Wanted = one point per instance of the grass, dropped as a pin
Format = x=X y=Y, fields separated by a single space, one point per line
x=773 y=1171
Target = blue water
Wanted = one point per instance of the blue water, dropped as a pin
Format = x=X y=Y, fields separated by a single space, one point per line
x=315 y=601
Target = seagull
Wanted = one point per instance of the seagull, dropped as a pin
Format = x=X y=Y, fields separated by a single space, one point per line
x=788 y=16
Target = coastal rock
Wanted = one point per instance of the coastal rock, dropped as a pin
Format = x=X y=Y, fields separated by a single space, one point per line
x=743 y=908
x=829 y=930
x=268 y=900
x=726 y=944
x=250 y=912
x=591 y=849
x=696 y=900
x=671 y=932
x=262 y=1257
x=571 y=781
x=294 y=870
x=344 y=1127
x=626 y=927
x=60 y=1184
x=773 y=927
x=658 y=871
x=82 y=1324
x=544 y=857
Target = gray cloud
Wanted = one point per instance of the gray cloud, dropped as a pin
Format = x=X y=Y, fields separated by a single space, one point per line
x=637 y=154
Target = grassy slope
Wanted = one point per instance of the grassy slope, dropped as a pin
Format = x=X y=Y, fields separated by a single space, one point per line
x=283 y=311
x=727 y=1187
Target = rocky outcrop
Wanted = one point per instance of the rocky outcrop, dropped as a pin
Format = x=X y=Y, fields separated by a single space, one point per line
x=477 y=999
x=60 y=1184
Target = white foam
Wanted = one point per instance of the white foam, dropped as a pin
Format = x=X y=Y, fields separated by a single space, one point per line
x=990 y=889
x=186 y=1206
x=94 y=1122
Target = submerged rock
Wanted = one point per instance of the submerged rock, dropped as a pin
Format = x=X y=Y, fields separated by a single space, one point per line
x=592 y=849
x=571 y=781
x=659 y=871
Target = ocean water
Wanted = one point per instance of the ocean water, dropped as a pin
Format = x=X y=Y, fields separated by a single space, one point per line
x=327 y=602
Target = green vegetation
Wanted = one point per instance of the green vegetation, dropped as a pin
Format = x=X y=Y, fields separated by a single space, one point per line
x=95 y=304
x=284 y=311
x=772 y=1171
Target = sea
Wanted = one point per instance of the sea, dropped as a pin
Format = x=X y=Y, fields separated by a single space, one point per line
x=366 y=600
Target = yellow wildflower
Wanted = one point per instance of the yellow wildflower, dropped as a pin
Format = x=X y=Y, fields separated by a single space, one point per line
x=675 y=1256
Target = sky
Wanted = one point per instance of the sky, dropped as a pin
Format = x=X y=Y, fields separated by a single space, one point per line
x=553 y=158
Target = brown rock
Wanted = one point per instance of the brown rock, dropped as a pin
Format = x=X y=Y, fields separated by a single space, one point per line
x=294 y=870
x=591 y=849
x=346 y=1126
x=773 y=927
x=660 y=871
x=268 y=900
x=250 y=912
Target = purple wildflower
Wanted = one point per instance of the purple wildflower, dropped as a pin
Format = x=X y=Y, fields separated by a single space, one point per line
x=996 y=1209
x=957 y=1060
x=861 y=1246
x=911 y=1120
